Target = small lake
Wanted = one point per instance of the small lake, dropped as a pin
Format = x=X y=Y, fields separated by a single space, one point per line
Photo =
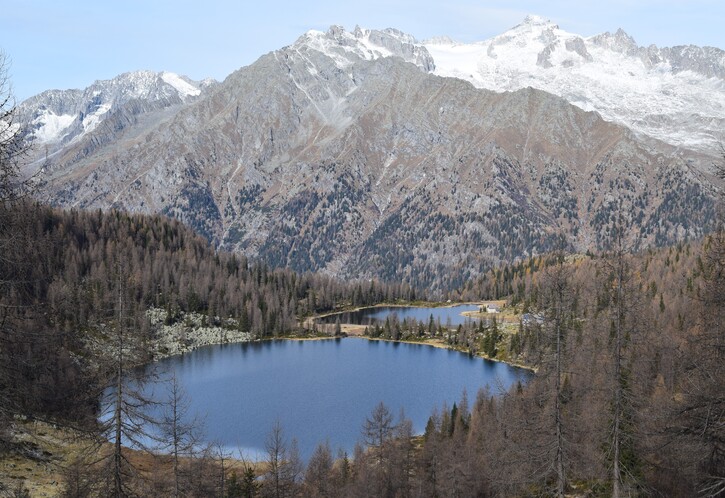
x=370 y=316
x=323 y=389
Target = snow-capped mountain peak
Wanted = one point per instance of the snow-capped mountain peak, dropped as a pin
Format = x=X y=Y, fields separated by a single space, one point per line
x=346 y=47
x=534 y=20
x=59 y=116
x=620 y=42
x=673 y=94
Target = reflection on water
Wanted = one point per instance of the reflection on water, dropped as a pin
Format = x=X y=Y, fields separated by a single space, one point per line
x=450 y=315
x=323 y=389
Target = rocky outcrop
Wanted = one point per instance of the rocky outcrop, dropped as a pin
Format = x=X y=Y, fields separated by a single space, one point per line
x=188 y=332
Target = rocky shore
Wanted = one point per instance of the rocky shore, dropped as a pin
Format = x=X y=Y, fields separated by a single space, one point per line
x=190 y=331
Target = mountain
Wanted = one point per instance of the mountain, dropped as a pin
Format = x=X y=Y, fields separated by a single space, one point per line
x=676 y=94
x=344 y=153
x=57 y=118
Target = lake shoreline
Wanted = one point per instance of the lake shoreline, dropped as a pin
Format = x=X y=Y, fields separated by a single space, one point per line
x=428 y=342
x=436 y=343
x=356 y=330
x=167 y=342
x=415 y=304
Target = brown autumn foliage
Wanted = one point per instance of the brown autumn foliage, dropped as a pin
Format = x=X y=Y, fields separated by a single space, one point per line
x=663 y=380
x=671 y=436
x=59 y=279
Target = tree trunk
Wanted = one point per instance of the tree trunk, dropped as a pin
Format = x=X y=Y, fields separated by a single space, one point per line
x=618 y=387
x=118 y=484
x=118 y=414
x=560 y=477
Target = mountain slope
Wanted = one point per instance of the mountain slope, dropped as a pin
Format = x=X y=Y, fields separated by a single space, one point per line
x=327 y=157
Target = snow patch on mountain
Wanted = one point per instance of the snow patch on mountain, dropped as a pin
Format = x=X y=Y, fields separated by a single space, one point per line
x=59 y=116
x=50 y=126
x=91 y=121
x=182 y=86
x=672 y=94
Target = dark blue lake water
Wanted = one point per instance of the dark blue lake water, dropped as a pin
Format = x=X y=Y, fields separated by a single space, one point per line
x=378 y=314
x=323 y=389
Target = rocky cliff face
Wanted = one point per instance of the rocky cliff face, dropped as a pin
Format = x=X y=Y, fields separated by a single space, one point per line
x=343 y=154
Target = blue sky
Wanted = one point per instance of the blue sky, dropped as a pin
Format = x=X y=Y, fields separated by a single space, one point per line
x=70 y=44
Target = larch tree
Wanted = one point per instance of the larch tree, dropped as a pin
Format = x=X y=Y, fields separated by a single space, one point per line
x=12 y=141
x=624 y=308
x=699 y=421
x=703 y=410
x=284 y=467
x=557 y=300
x=318 y=476
x=403 y=455
x=375 y=468
x=377 y=431
x=180 y=432
x=126 y=410
x=15 y=266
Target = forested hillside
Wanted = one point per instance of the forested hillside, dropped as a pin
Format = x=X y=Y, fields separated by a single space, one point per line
x=628 y=397
x=628 y=351
x=63 y=273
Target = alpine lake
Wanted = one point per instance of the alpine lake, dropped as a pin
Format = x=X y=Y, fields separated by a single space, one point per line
x=322 y=390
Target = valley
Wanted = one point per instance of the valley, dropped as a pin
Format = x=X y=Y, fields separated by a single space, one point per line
x=356 y=159
x=543 y=209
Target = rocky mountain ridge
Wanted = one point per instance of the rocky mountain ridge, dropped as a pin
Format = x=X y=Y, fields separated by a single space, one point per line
x=674 y=94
